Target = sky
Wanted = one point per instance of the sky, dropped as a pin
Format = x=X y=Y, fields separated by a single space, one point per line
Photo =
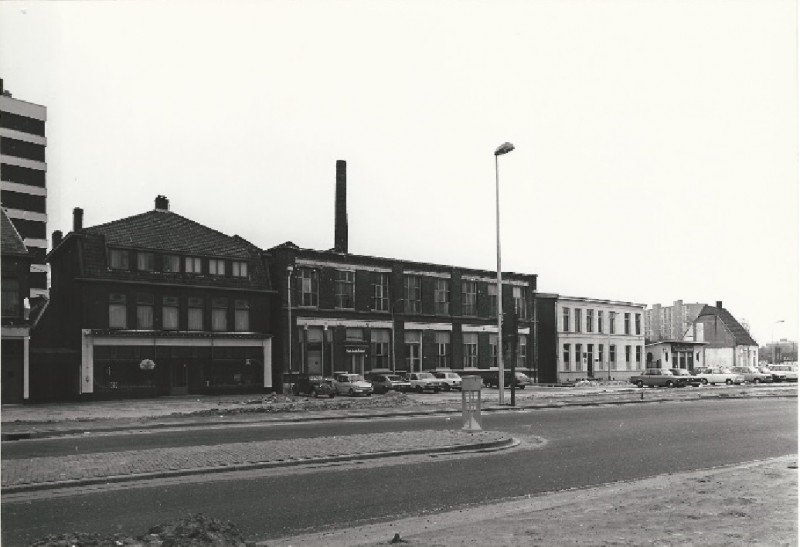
x=656 y=141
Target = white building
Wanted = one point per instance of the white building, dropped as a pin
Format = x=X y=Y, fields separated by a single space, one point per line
x=600 y=339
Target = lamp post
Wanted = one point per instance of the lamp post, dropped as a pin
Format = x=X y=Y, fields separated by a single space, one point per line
x=504 y=148
x=773 y=339
x=289 y=270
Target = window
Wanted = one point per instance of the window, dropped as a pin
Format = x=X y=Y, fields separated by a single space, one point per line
x=379 y=339
x=638 y=324
x=522 y=351
x=600 y=360
x=442 y=349
x=493 y=345
x=469 y=298
x=354 y=335
x=345 y=289
x=413 y=342
x=216 y=266
x=612 y=322
x=171 y=264
x=239 y=269
x=565 y=320
x=117 y=311
x=380 y=292
x=470 y=349
x=628 y=357
x=145 y=262
x=520 y=302
x=578 y=357
x=578 y=319
x=118 y=259
x=566 y=358
x=589 y=355
x=193 y=265
x=219 y=314
x=11 y=298
x=144 y=311
x=308 y=280
x=441 y=296
x=169 y=312
x=639 y=357
x=600 y=321
x=196 y=306
x=491 y=290
x=589 y=320
x=413 y=290
x=612 y=355
x=627 y=323
x=241 y=315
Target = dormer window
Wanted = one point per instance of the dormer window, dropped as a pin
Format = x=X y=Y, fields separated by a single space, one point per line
x=194 y=265
x=145 y=262
x=216 y=267
x=240 y=269
x=118 y=259
x=171 y=264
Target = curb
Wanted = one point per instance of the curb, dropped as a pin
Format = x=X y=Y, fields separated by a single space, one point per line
x=508 y=442
x=26 y=435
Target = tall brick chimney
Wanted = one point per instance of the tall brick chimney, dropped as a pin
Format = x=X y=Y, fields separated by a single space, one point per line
x=58 y=237
x=162 y=203
x=77 y=219
x=340 y=231
x=719 y=304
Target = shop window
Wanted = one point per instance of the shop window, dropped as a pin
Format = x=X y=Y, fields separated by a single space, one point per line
x=379 y=339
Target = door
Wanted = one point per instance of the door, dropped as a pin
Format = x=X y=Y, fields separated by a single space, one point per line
x=357 y=363
x=179 y=384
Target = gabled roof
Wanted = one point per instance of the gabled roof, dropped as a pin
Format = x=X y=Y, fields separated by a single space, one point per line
x=162 y=230
x=11 y=242
x=740 y=335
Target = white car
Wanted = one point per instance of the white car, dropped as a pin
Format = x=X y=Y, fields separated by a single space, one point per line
x=450 y=380
x=718 y=376
x=422 y=381
x=788 y=370
x=346 y=383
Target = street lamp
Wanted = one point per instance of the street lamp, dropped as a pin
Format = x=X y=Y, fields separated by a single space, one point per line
x=289 y=270
x=504 y=148
x=773 y=339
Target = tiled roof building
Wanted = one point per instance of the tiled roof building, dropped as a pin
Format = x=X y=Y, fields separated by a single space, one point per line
x=728 y=344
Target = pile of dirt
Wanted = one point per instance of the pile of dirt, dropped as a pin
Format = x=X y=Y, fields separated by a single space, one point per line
x=274 y=403
x=193 y=531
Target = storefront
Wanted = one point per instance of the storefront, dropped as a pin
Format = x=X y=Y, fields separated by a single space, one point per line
x=675 y=354
x=116 y=364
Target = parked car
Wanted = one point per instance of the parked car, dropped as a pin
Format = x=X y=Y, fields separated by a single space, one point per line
x=788 y=370
x=450 y=380
x=383 y=383
x=313 y=386
x=777 y=375
x=712 y=376
x=424 y=381
x=656 y=377
x=493 y=379
x=347 y=383
x=690 y=378
x=752 y=374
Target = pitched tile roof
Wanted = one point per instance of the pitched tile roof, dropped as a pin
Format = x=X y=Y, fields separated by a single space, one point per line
x=740 y=335
x=10 y=240
x=167 y=231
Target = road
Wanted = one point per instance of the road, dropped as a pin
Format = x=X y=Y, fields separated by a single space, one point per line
x=584 y=446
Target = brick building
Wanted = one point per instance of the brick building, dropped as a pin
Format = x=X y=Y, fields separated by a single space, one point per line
x=154 y=304
x=728 y=344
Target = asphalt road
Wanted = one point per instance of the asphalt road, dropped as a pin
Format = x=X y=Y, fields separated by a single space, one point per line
x=584 y=446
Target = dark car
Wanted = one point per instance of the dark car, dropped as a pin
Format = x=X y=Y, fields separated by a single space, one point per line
x=384 y=383
x=493 y=380
x=313 y=386
x=691 y=379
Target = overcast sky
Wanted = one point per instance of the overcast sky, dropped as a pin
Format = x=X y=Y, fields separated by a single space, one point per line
x=656 y=141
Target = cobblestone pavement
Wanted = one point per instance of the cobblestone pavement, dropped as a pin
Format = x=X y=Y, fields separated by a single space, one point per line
x=20 y=474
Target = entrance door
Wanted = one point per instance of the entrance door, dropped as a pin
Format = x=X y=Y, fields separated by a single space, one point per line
x=414 y=353
x=357 y=363
x=179 y=384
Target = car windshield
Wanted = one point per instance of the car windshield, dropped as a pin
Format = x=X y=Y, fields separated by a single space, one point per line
x=394 y=378
x=354 y=378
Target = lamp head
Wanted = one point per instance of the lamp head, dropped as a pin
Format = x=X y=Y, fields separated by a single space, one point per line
x=504 y=148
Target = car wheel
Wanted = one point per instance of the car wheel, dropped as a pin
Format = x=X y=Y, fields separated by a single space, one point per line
x=418 y=389
x=351 y=392
x=705 y=382
x=729 y=382
x=670 y=383
x=639 y=383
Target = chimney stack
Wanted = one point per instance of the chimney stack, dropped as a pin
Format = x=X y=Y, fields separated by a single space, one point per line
x=58 y=236
x=77 y=219
x=340 y=229
x=162 y=203
x=719 y=304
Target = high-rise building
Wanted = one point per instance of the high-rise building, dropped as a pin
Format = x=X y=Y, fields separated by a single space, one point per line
x=23 y=178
